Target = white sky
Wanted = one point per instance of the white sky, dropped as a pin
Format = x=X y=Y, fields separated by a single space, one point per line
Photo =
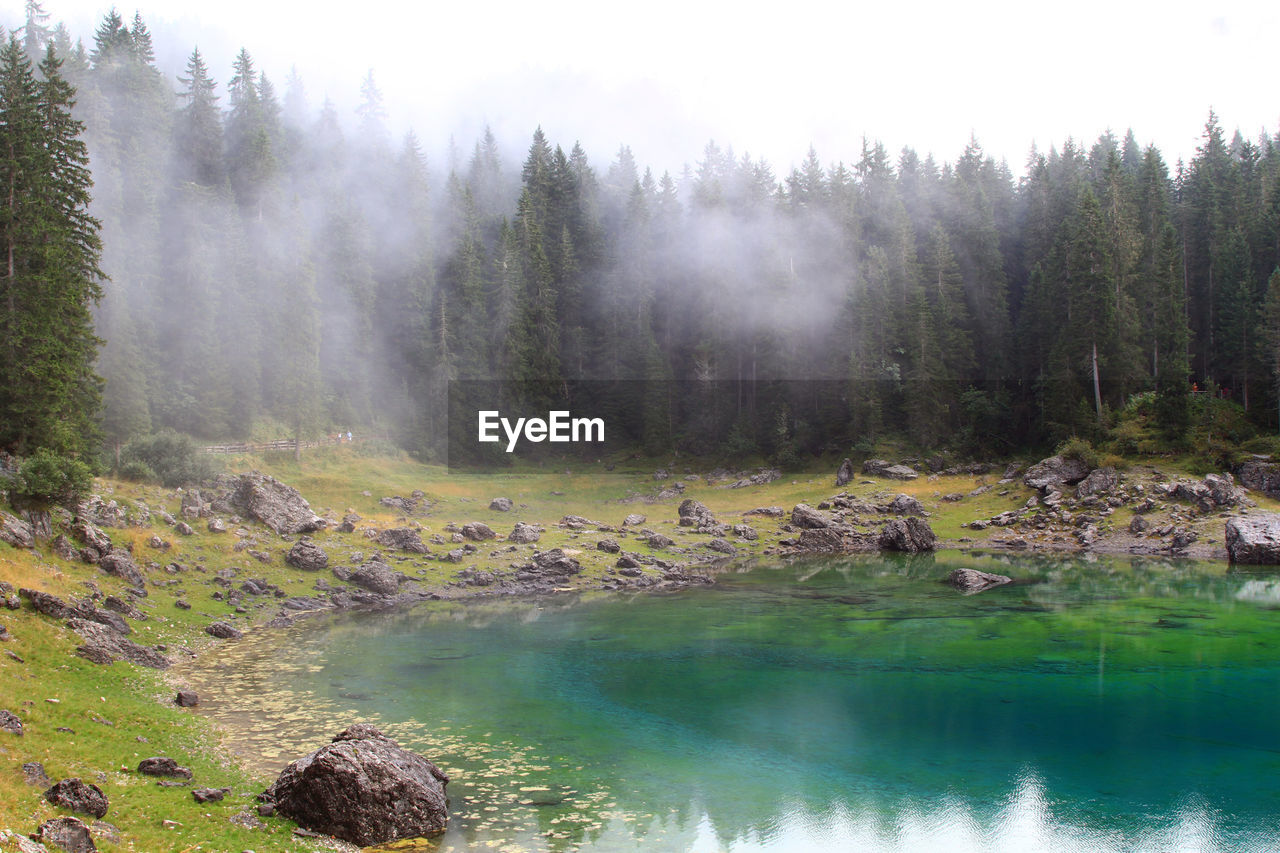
x=667 y=76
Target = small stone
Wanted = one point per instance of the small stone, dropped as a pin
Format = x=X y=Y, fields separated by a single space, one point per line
x=187 y=699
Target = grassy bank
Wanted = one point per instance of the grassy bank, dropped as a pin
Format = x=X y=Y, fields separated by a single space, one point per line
x=97 y=722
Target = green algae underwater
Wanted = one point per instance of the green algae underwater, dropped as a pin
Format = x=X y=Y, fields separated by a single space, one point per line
x=846 y=703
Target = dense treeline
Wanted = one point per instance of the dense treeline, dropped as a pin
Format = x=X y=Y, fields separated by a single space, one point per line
x=270 y=263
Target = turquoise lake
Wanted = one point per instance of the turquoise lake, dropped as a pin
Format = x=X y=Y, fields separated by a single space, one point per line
x=851 y=703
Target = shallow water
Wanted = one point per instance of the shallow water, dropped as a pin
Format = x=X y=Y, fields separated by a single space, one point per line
x=830 y=704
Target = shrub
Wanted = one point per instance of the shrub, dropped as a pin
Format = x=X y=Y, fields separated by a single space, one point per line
x=1078 y=448
x=136 y=471
x=173 y=458
x=45 y=478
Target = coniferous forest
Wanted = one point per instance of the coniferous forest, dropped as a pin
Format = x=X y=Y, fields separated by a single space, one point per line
x=253 y=258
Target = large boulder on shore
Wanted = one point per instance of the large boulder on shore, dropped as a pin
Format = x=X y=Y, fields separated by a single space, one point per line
x=376 y=576
x=363 y=788
x=280 y=507
x=1056 y=471
x=807 y=518
x=1254 y=541
x=911 y=535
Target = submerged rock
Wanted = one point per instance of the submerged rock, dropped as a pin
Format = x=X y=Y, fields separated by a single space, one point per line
x=970 y=581
x=363 y=788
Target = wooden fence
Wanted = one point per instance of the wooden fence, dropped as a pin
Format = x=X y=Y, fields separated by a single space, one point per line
x=282 y=444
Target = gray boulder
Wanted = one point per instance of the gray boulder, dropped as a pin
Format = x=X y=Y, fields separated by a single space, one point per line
x=376 y=577
x=307 y=555
x=1260 y=476
x=363 y=788
x=904 y=505
x=659 y=541
x=910 y=535
x=401 y=539
x=1254 y=540
x=10 y=723
x=1056 y=471
x=524 y=534
x=280 y=507
x=808 y=518
x=79 y=797
x=164 y=766
x=66 y=833
x=15 y=531
x=882 y=468
x=633 y=520
x=1099 y=481
x=501 y=505
x=222 y=631
x=553 y=562
x=970 y=581
x=844 y=475
x=105 y=645
x=722 y=546
x=694 y=514
x=478 y=531
x=119 y=562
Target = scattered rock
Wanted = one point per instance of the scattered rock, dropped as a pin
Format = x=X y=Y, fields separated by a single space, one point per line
x=970 y=581
x=187 y=699
x=844 y=475
x=695 y=514
x=609 y=546
x=722 y=546
x=222 y=631
x=47 y=603
x=1254 y=541
x=626 y=561
x=307 y=555
x=119 y=562
x=79 y=797
x=524 y=534
x=163 y=766
x=1138 y=525
x=806 y=517
x=66 y=833
x=209 y=795
x=1260 y=476
x=184 y=529
x=10 y=723
x=363 y=788
x=745 y=531
x=217 y=525
x=770 y=511
x=911 y=535
x=659 y=541
x=501 y=505
x=633 y=520
x=553 y=562
x=33 y=774
x=762 y=477
x=15 y=531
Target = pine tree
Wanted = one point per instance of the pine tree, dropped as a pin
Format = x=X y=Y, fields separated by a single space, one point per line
x=49 y=395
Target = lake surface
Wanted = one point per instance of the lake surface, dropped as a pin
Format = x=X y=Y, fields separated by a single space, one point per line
x=848 y=703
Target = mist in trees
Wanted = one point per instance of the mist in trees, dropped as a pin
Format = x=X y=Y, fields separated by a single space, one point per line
x=273 y=262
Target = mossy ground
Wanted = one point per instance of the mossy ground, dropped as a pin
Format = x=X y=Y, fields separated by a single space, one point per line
x=98 y=722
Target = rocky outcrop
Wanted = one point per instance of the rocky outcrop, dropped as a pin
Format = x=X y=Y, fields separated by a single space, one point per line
x=79 y=797
x=760 y=478
x=808 y=518
x=280 y=507
x=376 y=576
x=363 y=788
x=1254 y=540
x=844 y=474
x=911 y=535
x=1056 y=471
x=401 y=539
x=1099 y=481
x=1260 y=476
x=16 y=532
x=1213 y=492
x=307 y=555
x=553 y=563
x=970 y=581
x=104 y=645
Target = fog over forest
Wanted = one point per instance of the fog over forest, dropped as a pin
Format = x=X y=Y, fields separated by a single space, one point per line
x=278 y=267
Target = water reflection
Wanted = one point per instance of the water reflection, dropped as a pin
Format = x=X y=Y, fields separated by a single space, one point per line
x=848 y=704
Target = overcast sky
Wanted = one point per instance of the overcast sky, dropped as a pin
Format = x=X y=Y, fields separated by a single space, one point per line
x=668 y=75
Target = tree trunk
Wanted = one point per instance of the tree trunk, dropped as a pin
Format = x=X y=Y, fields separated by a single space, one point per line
x=1097 y=386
